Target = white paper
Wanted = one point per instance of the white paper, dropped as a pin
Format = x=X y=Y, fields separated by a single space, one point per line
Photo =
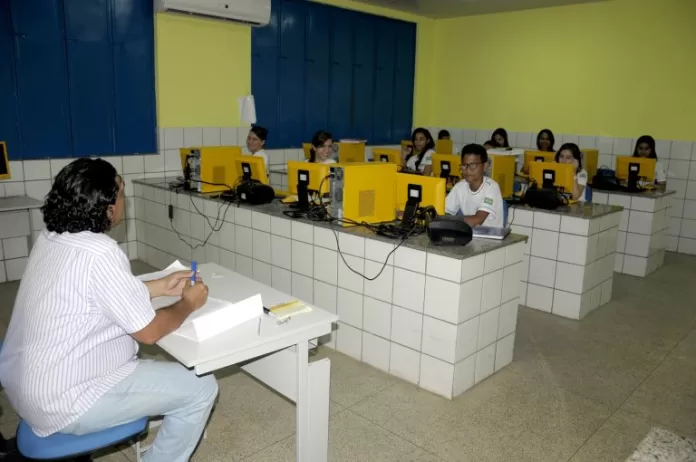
x=247 y=109
x=173 y=268
x=218 y=316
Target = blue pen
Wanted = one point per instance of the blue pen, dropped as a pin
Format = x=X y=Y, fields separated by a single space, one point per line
x=194 y=268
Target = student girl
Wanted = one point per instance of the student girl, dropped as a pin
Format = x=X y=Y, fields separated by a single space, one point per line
x=419 y=159
x=322 y=148
x=545 y=140
x=645 y=147
x=256 y=140
x=570 y=154
x=500 y=138
x=443 y=135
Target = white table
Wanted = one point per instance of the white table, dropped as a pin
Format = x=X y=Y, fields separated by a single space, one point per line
x=277 y=356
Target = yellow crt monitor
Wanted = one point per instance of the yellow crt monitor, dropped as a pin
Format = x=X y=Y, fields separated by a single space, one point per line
x=5 y=173
x=363 y=192
x=444 y=147
x=641 y=167
x=351 y=152
x=218 y=171
x=447 y=166
x=315 y=176
x=502 y=170
x=536 y=156
x=425 y=190
x=590 y=161
x=251 y=168
x=552 y=174
x=392 y=156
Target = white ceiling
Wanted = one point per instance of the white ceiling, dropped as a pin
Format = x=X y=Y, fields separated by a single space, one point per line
x=453 y=8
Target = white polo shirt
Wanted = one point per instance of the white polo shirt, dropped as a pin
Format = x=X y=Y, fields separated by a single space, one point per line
x=68 y=341
x=264 y=156
x=463 y=201
x=427 y=160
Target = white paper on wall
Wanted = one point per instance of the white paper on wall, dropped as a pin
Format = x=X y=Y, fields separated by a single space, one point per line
x=247 y=109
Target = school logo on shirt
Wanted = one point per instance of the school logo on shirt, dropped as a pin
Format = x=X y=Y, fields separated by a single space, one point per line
x=488 y=201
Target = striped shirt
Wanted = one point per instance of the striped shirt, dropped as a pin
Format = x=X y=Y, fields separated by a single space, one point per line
x=68 y=341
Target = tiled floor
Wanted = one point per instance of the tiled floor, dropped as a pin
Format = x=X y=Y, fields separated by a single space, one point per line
x=577 y=391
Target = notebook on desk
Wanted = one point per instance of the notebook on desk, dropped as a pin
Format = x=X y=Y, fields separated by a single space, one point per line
x=488 y=232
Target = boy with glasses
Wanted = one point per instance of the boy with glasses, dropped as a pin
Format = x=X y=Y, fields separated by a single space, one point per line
x=477 y=198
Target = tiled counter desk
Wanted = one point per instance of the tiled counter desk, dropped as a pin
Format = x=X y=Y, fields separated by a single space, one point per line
x=568 y=264
x=19 y=215
x=441 y=318
x=642 y=236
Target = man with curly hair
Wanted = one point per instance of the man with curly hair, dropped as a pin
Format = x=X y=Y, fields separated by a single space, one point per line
x=68 y=363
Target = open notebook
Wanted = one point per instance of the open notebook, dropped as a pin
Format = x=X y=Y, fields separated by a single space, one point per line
x=215 y=317
x=488 y=232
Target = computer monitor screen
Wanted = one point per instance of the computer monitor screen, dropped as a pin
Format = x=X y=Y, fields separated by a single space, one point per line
x=552 y=174
x=446 y=165
x=251 y=168
x=536 y=156
x=313 y=176
x=642 y=167
x=432 y=191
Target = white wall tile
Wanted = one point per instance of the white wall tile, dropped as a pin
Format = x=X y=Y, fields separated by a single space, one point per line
x=303 y=259
x=521 y=217
x=281 y=227
x=281 y=280
x=324 y=237
x=572 y=225
x=470 y=299
x=485 y=363
x=377 y=317
x=539 y=297
x=211 y=136
x=637 y=245
x=349 y=341
x=193 y=137
x=446 y=268
x=325 y=265
x=37 y=170
x=243 y=237
x=442 y=299
x=488 y=328
x=572 y=249
x=681 y=150
x=514 y=254
x=623 y=146
x=302 y=287
x=14 y=269
x=504 y=352
x=281 y=252
x=436 y=376
x=464 y=372
x=406 y=327
x=410 y=259
x=494 y=261
x=379 y=251
x=262 y=246
x=380 y=284
x=14 y=247
x=228 y=136
x=439 y=339
x=635 y=266
x=404 y=363
x=350 y=307
x=347 y=277
x=326 y=296
x=351 y=245
x=542 y=271
x=492 y=290
x=544 y=244
x=262 y=273
x=245 y=266
x=605 y=145
x=375 y=351
x=507 y=323
x=570 y=278
x=409 y=289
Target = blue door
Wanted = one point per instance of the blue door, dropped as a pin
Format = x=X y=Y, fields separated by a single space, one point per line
x=341 y=73
x=317 y=65
x=364 y=78
x=384 y=82
x=291 y=75
x=404 y=81
x=9 y=129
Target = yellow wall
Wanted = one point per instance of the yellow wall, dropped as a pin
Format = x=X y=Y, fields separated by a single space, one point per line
x=203 y=66
x=620 y=68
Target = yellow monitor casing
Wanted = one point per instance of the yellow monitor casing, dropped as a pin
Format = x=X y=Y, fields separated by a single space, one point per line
x=561 y=175
x=218 y=170
x=536 y=156
x=432 y=191
x=307 y=149
x=349 y=152
x=392 y=156
x=444 y=147
x=406 y=144
x=590 y=161
x=5 y=173
x=363 y=192
x=316 y=176
x=502 y=170
x=251 y=166
x=447 y=166
x=644 y=165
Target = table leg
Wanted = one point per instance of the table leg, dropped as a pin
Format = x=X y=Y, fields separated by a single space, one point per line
x=302 y=401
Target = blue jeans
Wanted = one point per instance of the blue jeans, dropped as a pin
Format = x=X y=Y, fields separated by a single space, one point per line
x=156 y=388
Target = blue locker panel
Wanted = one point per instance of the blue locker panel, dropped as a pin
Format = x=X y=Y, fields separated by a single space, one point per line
x=264 y=75
x=131 y=20
x=86 y=21
x=42 y=85
x=316 y=71
x=404 y=80
x=135 y=97
x=37 y=18
x=9 y=129
x=364 y=77
x=384 y=81
x=291 y=75
x=91 y=76
x=341 y=76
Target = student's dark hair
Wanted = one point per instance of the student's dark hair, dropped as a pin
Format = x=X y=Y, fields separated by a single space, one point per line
x=80 y=197
x=650 y=141
x=260 y=132
x=476 y=150
x=502 y=132
x=575 y=150
x=442 y=134
x=430 y=144
x=318 y=141
x=552 y=139
x=490 y=142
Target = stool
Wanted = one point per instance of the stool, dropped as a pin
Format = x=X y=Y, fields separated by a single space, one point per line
x=62 y=446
